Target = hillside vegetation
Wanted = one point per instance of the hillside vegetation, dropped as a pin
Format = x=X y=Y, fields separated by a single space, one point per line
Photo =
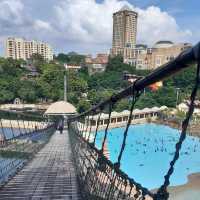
x=84 y=90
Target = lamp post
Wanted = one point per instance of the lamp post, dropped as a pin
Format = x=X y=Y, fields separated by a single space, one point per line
x=65 y=84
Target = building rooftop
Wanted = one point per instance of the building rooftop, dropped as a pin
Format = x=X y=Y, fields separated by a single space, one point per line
x=163 y=44
x=141 y=46
x=100 y=59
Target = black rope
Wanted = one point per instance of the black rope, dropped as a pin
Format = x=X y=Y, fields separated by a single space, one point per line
x=24 y=126
x=106 y=130
x=32 y=126
x=76 y=128
x=97 y=128
x=19 y=128
x=90 y=130
x=87 y=125
x=29 y=130
x=82 y=126
x=3 y=132
x=79 y=127
x=136 y=95
x=11 y=127
x=162 y=193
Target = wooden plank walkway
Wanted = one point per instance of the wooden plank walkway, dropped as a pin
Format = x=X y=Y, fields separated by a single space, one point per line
x=50 y=175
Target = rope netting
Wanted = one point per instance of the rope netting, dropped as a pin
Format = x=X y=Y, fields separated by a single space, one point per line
x=21 y=136
x=100 y=178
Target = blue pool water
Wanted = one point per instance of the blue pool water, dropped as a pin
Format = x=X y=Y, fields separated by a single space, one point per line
x=148 y=152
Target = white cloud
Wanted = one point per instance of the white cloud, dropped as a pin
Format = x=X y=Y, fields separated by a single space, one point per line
x=16 y=21
x=86 y=21
x=154 y=25
x=83 y=25
x=39 y=24
x=11 y=9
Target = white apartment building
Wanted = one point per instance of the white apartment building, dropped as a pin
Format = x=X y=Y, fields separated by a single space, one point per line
x=19 y=48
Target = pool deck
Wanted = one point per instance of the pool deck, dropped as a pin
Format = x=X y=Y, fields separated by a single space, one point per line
x=193 y=129
x=189 y=191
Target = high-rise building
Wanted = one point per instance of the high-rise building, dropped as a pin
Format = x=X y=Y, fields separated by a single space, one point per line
x=19 y=48
x=124 y=31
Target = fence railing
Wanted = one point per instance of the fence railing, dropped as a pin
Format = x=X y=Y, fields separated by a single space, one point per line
x=21 y=136
x=98 y=176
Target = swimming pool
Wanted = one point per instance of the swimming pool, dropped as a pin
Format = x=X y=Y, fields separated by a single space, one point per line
x=148 y=152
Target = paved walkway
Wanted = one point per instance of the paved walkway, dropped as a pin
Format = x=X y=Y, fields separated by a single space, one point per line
x=50 y=175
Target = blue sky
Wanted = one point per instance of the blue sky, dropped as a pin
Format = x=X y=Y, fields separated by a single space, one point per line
x=183 y=10
x=86 y=25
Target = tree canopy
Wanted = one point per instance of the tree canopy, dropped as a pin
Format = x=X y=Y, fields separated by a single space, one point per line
x=85 y=91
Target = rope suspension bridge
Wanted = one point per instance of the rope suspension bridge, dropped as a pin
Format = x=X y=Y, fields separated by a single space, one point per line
x=83 y=165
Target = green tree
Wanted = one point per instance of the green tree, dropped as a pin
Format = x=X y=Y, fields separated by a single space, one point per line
x=83 y=106
x=27 y=91
x=70 y=58
x=123 y=104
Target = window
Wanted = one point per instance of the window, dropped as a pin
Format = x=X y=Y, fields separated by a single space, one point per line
x=125 y=118
x=119 y=119
x=158 y=61
x=113 y=120
x=137 y=116
x=93 y=122
x=106 y=121
x=142 y=116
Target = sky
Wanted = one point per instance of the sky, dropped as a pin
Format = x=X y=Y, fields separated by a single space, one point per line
x=85 y=26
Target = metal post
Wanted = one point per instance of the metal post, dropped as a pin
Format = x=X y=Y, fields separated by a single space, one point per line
x=65 y=87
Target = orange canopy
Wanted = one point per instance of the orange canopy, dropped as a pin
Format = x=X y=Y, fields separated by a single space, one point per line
x=156 y=86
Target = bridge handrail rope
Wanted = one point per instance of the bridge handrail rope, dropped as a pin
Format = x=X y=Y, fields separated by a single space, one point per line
x=162 y=192
x=20 y=115
x=20 y=140
x=97 y=127
x=93 y=164
x=34 y=122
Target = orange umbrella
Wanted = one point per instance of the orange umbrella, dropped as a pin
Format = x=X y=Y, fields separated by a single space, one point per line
x=156 y=86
